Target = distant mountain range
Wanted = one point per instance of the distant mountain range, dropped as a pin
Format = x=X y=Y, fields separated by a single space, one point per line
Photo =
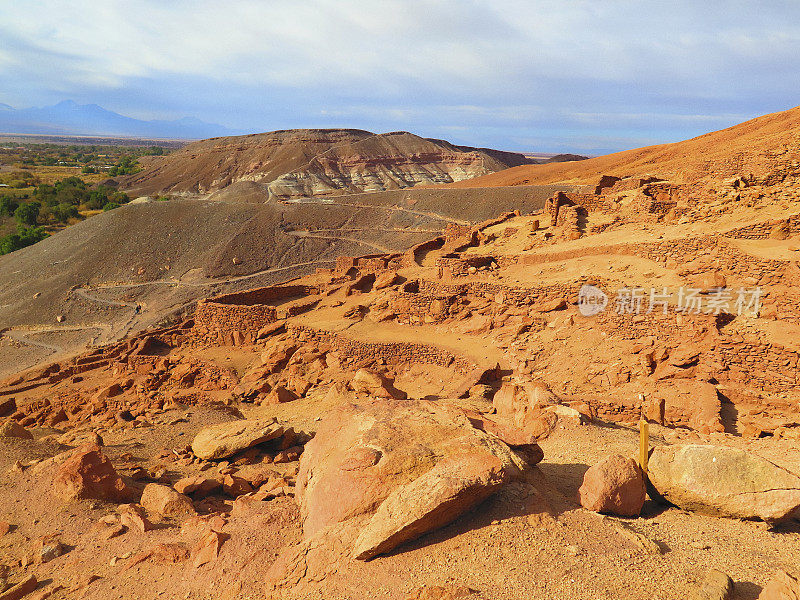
x=71 y=118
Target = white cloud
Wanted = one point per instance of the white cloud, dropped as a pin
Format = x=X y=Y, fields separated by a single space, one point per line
x=517 y=61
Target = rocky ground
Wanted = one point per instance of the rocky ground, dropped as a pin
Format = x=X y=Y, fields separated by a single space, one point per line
x=456 y=421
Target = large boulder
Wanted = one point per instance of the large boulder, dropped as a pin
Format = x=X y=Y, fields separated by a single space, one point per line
x=614 y=485
x=88 y=474
x=397 y=470
x=782 y=586
x=226 y=439
x=722 y=481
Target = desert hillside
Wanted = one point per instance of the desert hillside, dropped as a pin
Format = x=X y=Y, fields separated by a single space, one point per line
x=318 y=162
x=764 y=149
x=513 y=391
x=144 y=264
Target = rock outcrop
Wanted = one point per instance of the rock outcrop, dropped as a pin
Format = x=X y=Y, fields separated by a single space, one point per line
x=723 y=481
x=314 y=162
x=398 y=469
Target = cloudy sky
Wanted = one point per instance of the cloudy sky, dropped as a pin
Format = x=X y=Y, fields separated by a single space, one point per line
x=547 y=75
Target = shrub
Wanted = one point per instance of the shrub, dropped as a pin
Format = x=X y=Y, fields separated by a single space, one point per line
x=25 y=236
x=27 y=214
x=7 y=206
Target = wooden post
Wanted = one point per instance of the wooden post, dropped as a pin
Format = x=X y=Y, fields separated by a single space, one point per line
x=644 y=438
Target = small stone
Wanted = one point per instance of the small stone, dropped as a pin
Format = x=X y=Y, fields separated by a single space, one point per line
x=133 y=517
x=164 y=501
x=716 y=585
x=46 y=549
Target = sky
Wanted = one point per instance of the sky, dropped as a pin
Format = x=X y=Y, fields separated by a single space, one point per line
x=537 y=75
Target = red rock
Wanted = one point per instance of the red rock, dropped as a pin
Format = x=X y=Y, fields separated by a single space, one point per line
x=170 y=553
x=134 y=518
x=165 y=501
x=373 y=383
x=20 y=590
x=782 y=586
x=5 y=527
x=207 y=549
x=198 y=486
x=396 y=471
x=279 y=395
x=12 y=429
x=89 y=474
x=614 y=485
x=58 y=417
x=111 y=531
x=236 y=486
x=107 y=392
x=47 y=548
x=8 y=407
x=386 y=279
x=288 y=455
x=271 y=329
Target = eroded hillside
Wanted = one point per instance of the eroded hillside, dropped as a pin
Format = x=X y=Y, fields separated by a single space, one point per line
x=318 y=162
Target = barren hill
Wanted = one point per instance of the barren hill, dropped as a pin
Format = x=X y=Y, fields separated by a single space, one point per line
x=316 y=162
x=130 y=268
x=764 y=149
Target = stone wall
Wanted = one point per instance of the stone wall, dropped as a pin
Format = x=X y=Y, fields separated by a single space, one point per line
x=233 y=319
x=761 y=231
x=370 y=263
x=391 y=352
x=416 y=307
x=223 y=324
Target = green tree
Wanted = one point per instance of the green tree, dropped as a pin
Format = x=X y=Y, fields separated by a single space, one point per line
x=7 y=206
x=25 y=236
x=64 y=212
x=27 y=214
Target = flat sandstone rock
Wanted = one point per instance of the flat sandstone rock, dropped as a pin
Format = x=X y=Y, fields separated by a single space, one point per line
x=226 y=439
x=722 y=481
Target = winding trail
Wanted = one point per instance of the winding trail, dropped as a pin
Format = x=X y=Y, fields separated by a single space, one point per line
x=307 y=234
x=410 y=211
x=20 y=335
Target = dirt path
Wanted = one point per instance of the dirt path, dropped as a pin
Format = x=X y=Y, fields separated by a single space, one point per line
x=410 y=211
x=306 y=234
x=20 y=335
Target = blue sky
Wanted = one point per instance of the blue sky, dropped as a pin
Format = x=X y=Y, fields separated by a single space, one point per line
x=547 y=75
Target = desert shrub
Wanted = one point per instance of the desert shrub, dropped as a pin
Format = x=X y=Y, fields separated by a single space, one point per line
x=63 y=212
x=110 y=206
